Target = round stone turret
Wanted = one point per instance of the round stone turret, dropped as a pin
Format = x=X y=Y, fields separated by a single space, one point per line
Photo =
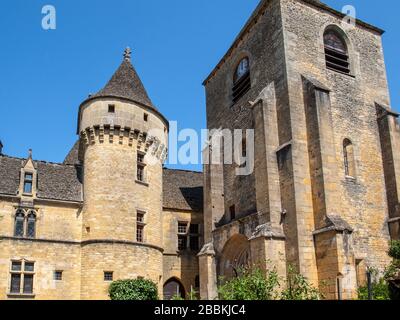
x=123 y=143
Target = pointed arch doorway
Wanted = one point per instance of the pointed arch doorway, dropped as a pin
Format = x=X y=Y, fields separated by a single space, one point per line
x=173 y=287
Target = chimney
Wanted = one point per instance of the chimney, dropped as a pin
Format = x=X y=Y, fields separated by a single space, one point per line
x=1 y=148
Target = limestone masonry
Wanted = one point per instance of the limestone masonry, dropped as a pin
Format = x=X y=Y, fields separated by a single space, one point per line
x=324 y=194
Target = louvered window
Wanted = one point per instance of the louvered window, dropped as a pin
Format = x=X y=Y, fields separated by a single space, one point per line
x=336 y=53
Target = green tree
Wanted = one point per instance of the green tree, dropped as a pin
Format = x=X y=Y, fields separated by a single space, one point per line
x=392 y=274
x=251 y=284
x=298 y=287
x=137 y=289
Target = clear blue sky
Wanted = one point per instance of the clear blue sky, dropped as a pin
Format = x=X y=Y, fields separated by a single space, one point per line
x=44 y=75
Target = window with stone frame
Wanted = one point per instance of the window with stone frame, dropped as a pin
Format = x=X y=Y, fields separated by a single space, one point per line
x=58 y=275
x=140 y=224
x=182 y=235
x=241 y=79
x=28 y=183
x=108 y=276
x=336 y=52
x=141 y=167
x=19 y=224
x=22 y=274
x=31 y=225
x=25 y=224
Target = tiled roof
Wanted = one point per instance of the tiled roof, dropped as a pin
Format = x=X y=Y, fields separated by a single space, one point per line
x=55 y=181
x=72 y=157
x=183 y=190
x=125 y=83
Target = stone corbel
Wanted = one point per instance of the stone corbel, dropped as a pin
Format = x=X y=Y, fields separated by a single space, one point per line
x=268 y=231
x=207 y=250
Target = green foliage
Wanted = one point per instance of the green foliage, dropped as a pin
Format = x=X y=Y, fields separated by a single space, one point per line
x=138 y=289
x=256 y=284
x=394 y=251
x=192 y=295
x=298 y=287
x=380 y=291
x=252 y=284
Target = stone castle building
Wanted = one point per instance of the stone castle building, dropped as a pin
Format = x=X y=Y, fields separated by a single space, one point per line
x=323 y=196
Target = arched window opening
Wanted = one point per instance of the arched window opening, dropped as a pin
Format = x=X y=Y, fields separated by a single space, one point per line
x=31 y=225
x=336 y=52
x=173 y=288
x=19 y=224
x=348 y=155
x=241 y=79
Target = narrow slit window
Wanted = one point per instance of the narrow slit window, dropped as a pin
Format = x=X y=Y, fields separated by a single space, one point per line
x=232 y=212
x=31 y=225
x=348 y=158
x=19 y=224
x=140 y=167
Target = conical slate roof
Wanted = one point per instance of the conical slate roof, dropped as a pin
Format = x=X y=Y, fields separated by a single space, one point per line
x=125 y=83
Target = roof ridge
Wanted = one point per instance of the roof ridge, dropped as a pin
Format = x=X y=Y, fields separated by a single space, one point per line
x=39 y=161
x=183 y=170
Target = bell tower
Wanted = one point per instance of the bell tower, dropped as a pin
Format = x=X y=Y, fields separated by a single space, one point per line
x=123 y=140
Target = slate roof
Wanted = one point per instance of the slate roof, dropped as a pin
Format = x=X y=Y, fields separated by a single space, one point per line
x=183 y=190
x=72 y=157
x=55 y=181
x=125 y=83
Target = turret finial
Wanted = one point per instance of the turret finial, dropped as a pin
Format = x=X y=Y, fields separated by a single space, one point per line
x=127 y=54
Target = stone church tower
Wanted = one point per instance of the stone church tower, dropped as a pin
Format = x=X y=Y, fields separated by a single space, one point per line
x=118 y=204
x=324 y=193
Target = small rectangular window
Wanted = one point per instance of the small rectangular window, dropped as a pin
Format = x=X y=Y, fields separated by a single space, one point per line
x=28 y=180
x=182 y=242
x=139 y=233
x=111 y=108
x=140 y=173
x=182 y=227
x=146 y=117
x=28 y=283
x=140 y=158
x=108 y=276
x=140 y=217
x=29 y=267
x=232 y=211
x=15 y=283
x=16 y=266
x=58 y=275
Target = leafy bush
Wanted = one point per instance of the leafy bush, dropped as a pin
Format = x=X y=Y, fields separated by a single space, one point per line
x=394 y=251
x=138 y=289
x=392 y=274
x=380 y=291
x=298 y=287
x=252 y=284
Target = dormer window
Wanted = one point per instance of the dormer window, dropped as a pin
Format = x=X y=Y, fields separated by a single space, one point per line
x=241 y=79
x=28 y=182
x=336 y=53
